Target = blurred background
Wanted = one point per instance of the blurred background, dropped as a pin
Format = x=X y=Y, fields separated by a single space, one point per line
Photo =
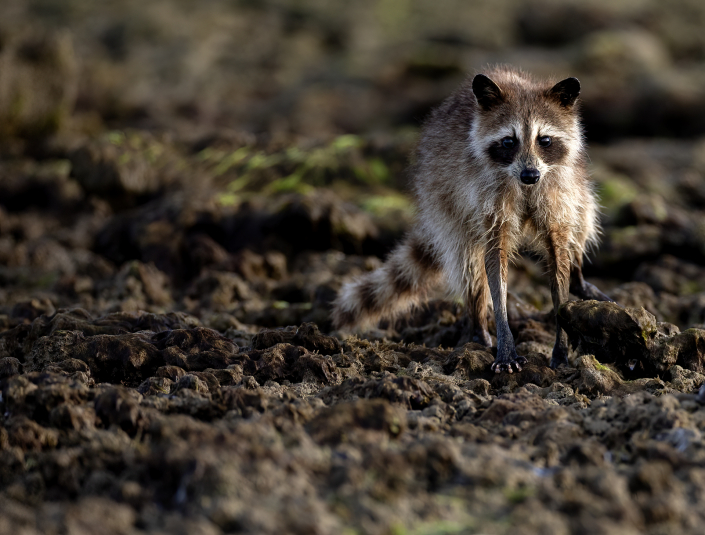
x=155 y=144
x=319 y=68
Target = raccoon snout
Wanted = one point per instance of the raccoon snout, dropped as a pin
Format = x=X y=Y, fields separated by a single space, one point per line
x=530 y=176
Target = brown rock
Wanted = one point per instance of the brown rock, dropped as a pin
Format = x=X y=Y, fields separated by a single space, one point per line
x=625 y=336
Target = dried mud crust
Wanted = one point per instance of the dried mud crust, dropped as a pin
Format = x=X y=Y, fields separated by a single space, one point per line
x=148 y=386
x=147 y=422
x=167 y=363
x=170 y=368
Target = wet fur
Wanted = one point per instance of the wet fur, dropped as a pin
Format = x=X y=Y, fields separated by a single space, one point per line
x=474 y=213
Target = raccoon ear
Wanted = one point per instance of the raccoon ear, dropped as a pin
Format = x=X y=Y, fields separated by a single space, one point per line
x=487 y=93
x=566 y=91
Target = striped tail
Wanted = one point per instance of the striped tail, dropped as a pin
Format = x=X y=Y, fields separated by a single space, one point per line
x=404 y=280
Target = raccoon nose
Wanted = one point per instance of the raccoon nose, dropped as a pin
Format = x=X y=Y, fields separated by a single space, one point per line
x=530 y=176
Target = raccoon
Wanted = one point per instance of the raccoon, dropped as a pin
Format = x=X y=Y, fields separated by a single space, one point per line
x=500 y=164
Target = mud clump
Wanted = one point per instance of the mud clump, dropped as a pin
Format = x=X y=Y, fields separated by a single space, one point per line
x=307 y=336
x=336 y=425
x=632 y=339
x=343 y=409
x=159 y=411
x=179 y=208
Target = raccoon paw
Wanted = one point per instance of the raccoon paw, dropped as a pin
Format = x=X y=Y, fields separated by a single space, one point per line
x=590 y=291
x=509 y=364
x=560 y=356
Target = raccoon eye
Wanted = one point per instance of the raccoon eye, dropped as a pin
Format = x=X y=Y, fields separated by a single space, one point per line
x=508 y=143
x=545 y=141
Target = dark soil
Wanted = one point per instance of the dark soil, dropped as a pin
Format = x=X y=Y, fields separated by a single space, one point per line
x=172 y=232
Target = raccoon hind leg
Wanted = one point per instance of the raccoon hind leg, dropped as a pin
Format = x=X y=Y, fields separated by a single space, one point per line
x=582 y=288
x=478 y=301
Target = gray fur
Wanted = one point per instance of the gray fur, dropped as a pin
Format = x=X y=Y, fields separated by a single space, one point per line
x=474 y=213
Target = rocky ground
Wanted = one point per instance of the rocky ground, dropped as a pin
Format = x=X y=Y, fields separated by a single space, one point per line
x=168 y=256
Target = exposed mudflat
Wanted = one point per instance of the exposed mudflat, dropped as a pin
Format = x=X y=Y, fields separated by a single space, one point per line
x=169 y=250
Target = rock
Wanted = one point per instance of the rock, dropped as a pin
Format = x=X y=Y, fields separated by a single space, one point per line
x=52 y=350
x=687 y=349
x=685 y=380
x=204 y=252
x=701 y=395
x=650 y=209
x=481 y=387
x=506 y=404
x=210 y=380
x=615 y=190
x=14 y=393
x=586 y=453
x=595 y=377
x=160 y=232
x=626 y=336
x=123 y=356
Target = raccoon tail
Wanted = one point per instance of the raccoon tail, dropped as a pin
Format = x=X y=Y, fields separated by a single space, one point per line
x=402 y=282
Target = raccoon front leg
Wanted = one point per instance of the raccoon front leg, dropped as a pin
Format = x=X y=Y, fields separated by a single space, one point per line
x=559 y=269
x=496 y=266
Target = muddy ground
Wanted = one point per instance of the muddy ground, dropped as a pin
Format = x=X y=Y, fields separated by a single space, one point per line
x=183 y=189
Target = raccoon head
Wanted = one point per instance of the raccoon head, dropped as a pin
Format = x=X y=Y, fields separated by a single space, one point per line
x=524 y=129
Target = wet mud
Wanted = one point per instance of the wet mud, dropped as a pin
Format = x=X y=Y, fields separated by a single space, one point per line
x=169 y=251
